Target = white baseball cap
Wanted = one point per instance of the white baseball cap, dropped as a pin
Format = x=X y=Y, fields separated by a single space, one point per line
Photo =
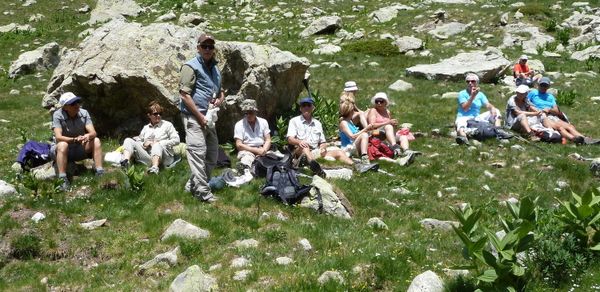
x=68 y=98
x=522 y=88
x=350 y=86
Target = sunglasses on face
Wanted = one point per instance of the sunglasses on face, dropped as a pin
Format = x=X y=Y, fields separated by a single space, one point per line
x=157 y=114
x=306 y=105
x=545 y=85
x=208 y=47
x=471 y=81
x=379 y=101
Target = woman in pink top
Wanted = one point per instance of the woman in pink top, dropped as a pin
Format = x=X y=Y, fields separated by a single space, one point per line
x=380 y=118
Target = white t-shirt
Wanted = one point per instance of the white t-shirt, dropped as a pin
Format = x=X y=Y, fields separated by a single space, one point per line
x=310 y=132
x=253 y=137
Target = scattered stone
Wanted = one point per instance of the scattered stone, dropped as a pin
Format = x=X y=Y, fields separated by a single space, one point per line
x=36 y=17
x=435 y=224
x=486 y=64
x=85 y=9
x=42 y=58
x=408 y=43
x=93 y=224
x=29 y=3
x=517 y=147
x=401 y=191
x=284 y=261
x=239 y=262
x=333 y=202
x=341 y=173
x=426 y=282
x=14 y=92
x=37 y=217
x=327 y=49
x=504 y=19
x=488 y=174
x=191 y=19
x=166 y=17
x=184 y=229
x=305 y=244
x=331 y=276
x=241 y=275
x=215 y=267
x=322 y=25
x=562 y=184
x=246 y=243
x=13 y=27
x=170 y=258
x=444 y=31
x=400 y=85
x=595 y=98
x=377 y=223
x=388 y=13
x=498 y=164
x=193 y=279
x=450 y=95
x=44 y=281
x=281 y=217
x=114 y=9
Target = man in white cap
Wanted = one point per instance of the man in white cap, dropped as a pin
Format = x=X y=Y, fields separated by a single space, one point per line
x=470 y=102
x=252 y=135
x=523 y=74
x=521 y=114
x=200 y=86
x=75 y=137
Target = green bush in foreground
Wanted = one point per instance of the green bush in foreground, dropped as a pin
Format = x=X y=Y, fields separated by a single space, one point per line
x=25 y=246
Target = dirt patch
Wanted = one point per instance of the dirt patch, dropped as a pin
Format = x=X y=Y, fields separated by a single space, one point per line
x=171 y=207
x=21 y=214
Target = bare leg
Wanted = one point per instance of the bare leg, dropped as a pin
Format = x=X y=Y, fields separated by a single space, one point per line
x=96 y=149
x=155 y=160
x=403 y=142
x=390 y=136
x=62 y=150
x=340 y=155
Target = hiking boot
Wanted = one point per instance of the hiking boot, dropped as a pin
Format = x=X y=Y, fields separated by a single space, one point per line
x=579 y=140
x=240 y=167
x=315 y=167
x=364 y=167
x=124 y=163
x=462 y=140
x=406 y=160
x=364 y=159
x=397 y=150
x=590 y=141
x=66 y=185
x=415 y=153
x=153 y=170
x=533 y=137
x=210 y=200
x=502 y=134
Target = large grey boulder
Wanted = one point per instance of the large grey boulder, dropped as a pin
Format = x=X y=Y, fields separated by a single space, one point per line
x=408 y=43
x=183 y=229
x=486 y=64
x=528 y=36
x=449 y=29
x=6 y=189
x=387 y=13
x=107 y=10
x=334 y=202
x=42 y=58
x=194 y=280
x=593 y=51
x=426 y=282
x=13 y=27
x=322 y=25
x=121 y=67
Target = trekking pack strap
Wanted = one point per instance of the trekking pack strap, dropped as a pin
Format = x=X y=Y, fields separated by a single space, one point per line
x=319 y=200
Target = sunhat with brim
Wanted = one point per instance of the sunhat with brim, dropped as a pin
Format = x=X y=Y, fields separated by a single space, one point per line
x=68 y=98
x=522 y=88
x=249 y=105
x=350 y=86
x=380 y=95
x=523 y=57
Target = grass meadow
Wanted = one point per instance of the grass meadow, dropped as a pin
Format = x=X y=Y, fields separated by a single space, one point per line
x=73 y=259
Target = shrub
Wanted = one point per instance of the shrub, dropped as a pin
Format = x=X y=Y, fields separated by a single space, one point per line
x=327 y=112
x=378 y=47
x=567 y=97
x=25 y=246
x=563 y=36
x=550 y=25
x=135 y=178
x=581 y=216
x=535 y=9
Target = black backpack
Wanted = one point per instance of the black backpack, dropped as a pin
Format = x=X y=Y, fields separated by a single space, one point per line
x=261 y=164
x=484 y=131
x=282 y=184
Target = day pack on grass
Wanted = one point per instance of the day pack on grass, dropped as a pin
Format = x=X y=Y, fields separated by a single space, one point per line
x=282 y=184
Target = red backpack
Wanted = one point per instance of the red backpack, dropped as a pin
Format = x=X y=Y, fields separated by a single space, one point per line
x=378 y=149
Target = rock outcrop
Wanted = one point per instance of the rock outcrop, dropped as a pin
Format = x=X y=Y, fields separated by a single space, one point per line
x=42 y=58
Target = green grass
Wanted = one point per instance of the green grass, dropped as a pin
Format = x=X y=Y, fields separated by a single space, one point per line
x=106 y=258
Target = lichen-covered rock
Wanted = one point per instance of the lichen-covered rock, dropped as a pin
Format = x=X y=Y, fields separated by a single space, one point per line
x=42 y=58
x=333 y=202
x=194 y=280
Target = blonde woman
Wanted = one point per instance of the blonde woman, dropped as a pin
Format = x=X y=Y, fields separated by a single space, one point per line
x=353 y=140
x=349 y=96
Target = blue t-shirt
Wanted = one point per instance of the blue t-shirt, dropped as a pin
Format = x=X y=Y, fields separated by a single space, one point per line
x=344 y=138
x=479 y=101
x=540 y=100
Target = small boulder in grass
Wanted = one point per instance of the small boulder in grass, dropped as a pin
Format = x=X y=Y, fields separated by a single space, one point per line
x=377 y=223
x=305 y=244
x=93 y=224
x=184 y=229
x=331 y=276
x=426 y=282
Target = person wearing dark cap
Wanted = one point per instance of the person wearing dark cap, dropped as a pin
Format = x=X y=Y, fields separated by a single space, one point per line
x=546 y=102
x=252 y=135
x=74 y=136
x=199 y=88
x=523 y=74
x=306 y=137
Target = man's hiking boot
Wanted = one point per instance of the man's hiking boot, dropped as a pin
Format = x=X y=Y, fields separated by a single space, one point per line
x=300 y=161
x=590 y=141
x=315 y=167
x=579 y=140
x=66 y=185
x=364 y=167
x=462 y=140
x=153 y=170
x=502 y=134
x=407 y=159
x=397 y=150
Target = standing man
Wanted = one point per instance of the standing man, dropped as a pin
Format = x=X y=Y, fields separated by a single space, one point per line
x=470 y=101
x=199 y=87
x=252 y=135
x=75 y=137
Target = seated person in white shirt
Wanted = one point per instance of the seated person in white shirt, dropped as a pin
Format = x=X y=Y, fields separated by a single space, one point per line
x=306 y=137
x=155 y=143
x=252 y=135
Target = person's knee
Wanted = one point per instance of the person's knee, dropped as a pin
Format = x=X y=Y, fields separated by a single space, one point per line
x=364 y=136
x=522 y=117
x=97 y=143
x=62 y=147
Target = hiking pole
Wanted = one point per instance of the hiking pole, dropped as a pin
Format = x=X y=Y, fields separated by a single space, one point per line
x=530 y=143
x=305 y=82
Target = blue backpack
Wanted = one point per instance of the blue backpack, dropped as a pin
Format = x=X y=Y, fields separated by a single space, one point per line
x=33 y=154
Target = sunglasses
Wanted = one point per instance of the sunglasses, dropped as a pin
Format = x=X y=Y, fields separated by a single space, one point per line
x=77 y=102
x=379 y=101
x=544 y=85
x=207 y=47
x=471 y=81
x=156 y=114
x=306 y=105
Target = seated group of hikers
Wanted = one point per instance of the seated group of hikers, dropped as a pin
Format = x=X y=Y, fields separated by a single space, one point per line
x=364 y=135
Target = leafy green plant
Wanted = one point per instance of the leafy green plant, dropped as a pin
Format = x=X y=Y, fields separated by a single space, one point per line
x=550 y=25
x=25 y=246
x=567 y=97
x=502 y=270
x=592 y=62
x=563 y=36
x=327 y=112
x=377 y=47
x=581 y=216
x=135 y=178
